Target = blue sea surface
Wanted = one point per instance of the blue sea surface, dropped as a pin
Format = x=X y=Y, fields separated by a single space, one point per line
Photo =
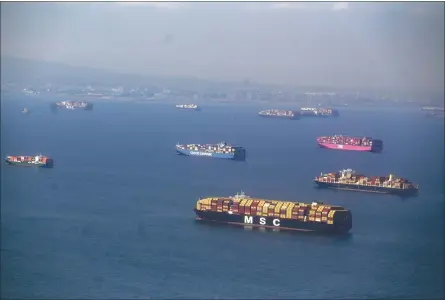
x=114 y=217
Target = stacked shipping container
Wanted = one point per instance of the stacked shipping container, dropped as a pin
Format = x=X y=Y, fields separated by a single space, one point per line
x=271 y=208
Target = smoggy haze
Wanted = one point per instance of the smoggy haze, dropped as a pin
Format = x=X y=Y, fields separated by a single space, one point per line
x=327 y=44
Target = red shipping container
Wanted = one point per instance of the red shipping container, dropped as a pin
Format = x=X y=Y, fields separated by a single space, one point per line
x=241 y=209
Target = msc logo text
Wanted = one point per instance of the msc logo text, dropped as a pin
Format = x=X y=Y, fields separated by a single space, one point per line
x=262 y=221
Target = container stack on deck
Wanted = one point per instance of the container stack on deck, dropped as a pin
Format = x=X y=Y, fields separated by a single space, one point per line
x=291 y=215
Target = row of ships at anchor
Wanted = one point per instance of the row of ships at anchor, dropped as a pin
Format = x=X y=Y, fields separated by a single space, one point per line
x=346 y=179
x=258 y=212
x=281 y=113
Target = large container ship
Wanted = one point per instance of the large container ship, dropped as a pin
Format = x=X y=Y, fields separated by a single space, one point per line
x=340 y=142
x=220 y=150
x=30 y=161
x=188 y=106
x=244 y=210
x=318 y=112
x=433 y=108
x=349 y=180
x=72 y=105
x=279 y=113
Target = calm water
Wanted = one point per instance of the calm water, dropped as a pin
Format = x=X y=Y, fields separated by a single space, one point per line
x=114 y=219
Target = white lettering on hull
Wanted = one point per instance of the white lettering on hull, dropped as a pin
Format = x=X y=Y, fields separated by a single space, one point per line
x=262 y=221
x=200 y=153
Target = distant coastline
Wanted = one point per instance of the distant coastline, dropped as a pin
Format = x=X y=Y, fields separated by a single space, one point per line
x=80 y=83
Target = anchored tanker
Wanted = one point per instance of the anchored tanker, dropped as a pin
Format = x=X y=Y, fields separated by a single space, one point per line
x=220 y=150
x=341 y=142
x=350 y=180
x=244 y=210
x=279 y=113
x=30 y=161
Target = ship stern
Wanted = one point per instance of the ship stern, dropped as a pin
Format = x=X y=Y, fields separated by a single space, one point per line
x=49 y=163
x=377 y=146
x=342 y=221
x=240 y=154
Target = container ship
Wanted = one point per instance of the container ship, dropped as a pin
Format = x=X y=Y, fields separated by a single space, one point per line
x=348 y=179
x=279 y=113
x=340 y=142
x=30 y=161
x=220 y=150
x=188 y=106
x=247 y=211
x=72 y=105
x=318 y=112
x=432 y=108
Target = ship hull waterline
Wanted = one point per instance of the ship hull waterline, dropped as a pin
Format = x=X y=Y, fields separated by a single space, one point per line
x=365 y=189
x=241 y=155
x=30 y=165
x=270 y=222
x=296 y=117
x=351 y=148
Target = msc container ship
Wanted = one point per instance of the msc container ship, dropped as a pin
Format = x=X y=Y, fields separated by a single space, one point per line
x=340 y=142
x=220 y=150
x=72 y=105
x=188 y=106
x=279 y=113
x=244 y=210
x=349 y=180
x=30 y=161
x=318 y=112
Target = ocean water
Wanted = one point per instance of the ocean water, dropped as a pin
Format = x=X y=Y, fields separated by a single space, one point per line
x=114 y=219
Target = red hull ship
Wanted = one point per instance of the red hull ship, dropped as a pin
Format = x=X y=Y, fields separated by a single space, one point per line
x=340 y=142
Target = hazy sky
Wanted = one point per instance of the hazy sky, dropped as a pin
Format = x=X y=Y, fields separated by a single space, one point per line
x=328 y=44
